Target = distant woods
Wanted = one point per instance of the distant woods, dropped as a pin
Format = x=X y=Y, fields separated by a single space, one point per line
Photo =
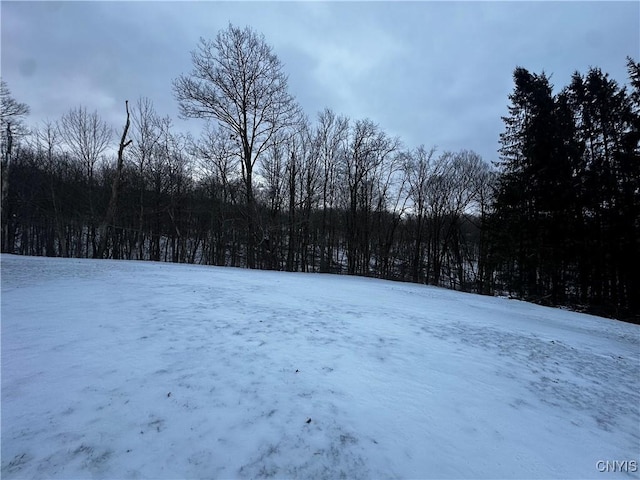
x=555 y=221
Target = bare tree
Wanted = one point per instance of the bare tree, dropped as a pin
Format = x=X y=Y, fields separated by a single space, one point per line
x=330 y=140
x=220 y=174
x=145 y=134
x=45 y=139
x=390 y=200
x=449 y=187
x=239 y=81
x=369 y=151
x=158 y=174
x=12 y=114
x=418 y=168
x=301 y=180
x=273 y=170
x=310 y=182
x=107 y=224
x=86 y=135
x=179 y=164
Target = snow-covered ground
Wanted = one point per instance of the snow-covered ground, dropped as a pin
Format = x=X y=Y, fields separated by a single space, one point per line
x=144 y=370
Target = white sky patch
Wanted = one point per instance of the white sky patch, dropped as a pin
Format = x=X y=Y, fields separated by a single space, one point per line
x=81 y=90
x=344 y=57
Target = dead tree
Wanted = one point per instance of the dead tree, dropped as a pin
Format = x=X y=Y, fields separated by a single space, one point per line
x=107 y=225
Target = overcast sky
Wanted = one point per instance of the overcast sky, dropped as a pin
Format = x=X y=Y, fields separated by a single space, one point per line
x=433 y=73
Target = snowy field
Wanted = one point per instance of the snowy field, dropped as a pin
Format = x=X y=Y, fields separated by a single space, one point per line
x=144 y=370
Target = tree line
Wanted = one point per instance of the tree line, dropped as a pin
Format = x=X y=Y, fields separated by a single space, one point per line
x=555 y=220
x=566 y=214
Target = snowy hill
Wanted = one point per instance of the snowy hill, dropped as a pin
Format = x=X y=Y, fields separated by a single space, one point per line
x=143 y=370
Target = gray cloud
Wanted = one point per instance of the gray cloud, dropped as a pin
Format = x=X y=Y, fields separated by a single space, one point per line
x=433 y=73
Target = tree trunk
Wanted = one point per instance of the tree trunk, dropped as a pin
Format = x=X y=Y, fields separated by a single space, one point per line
x=106 y=226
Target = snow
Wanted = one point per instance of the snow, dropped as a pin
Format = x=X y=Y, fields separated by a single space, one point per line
x=121 y=369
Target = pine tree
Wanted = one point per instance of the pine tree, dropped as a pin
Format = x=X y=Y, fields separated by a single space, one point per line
x=608 y=175
x=536 y=190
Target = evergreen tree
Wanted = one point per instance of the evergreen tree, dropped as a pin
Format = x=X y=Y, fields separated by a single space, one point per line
x=630 y=167
x=565 y=227
x=535 y=190
x=608 y=175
